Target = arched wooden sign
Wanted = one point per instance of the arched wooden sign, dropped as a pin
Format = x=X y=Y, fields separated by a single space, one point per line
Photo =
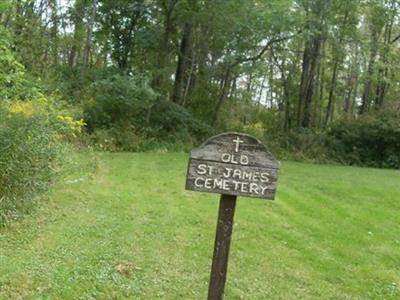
x=230 y=164
x=233 y=164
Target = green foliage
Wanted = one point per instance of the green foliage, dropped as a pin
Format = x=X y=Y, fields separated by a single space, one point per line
x=30 y=156
x=170 y=128
x=168 y=119
x=301 y=144
x=261 y=67
x=371 y=140
x=13 y=84
x=117 y=138
x=118 y=101
x=123 y=114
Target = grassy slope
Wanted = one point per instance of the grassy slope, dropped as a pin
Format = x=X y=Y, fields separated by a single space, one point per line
x=134 y=232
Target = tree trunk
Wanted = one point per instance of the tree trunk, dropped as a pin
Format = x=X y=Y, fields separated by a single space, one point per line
x=189 y=81
x=366 y=97
x=223 y=93
x=311 y=57
x=320 y=88
x=337 y=61
x=331 y=100
x=165 y=49
x=78 y=29
x=54 y=30
x=352 y=84
x=89 y=36
x=184 y=59
x=384 y=69
x=307 y=85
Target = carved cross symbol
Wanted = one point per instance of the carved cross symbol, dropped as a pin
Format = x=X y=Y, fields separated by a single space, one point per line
x=237 y=141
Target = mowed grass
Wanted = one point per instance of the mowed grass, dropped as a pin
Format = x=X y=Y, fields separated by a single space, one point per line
x=133 y=232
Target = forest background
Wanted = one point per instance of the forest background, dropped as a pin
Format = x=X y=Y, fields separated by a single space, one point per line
x=313 y=79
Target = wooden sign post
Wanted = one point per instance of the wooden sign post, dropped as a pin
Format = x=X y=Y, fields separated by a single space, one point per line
x=230 y=164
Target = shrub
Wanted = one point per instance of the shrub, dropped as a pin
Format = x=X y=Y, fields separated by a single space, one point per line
x=118 y=101
x=124 y=114
x=298 y=144
x=371 y=140
x=116 y=139
x=31 y=154
x=14 y=83
x=170 y=121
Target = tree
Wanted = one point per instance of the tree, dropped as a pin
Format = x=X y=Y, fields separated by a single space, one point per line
x=315 y=30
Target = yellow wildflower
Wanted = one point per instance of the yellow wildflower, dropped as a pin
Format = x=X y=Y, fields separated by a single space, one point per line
x=22 y=107
x=74 y=126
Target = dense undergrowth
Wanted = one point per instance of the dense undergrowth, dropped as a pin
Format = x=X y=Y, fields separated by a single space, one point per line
x=123 y=113
x=35 y=150
x=42 y=122
x=371 y=140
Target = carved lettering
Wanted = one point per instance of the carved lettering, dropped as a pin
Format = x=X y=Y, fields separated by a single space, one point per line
x=234 y=164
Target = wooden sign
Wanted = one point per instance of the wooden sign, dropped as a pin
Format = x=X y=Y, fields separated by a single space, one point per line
x=230 y=164
x=233 y=164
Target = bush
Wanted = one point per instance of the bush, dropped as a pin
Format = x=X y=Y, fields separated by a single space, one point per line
x=298 y=144
x=371 y=140
x=170 y=120
x=14 y=83
x=31 y=154
x=118 y=101
x=116 y=139
x=124 y=114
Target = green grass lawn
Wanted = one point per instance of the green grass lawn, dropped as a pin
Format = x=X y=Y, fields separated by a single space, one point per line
x=133 y=232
